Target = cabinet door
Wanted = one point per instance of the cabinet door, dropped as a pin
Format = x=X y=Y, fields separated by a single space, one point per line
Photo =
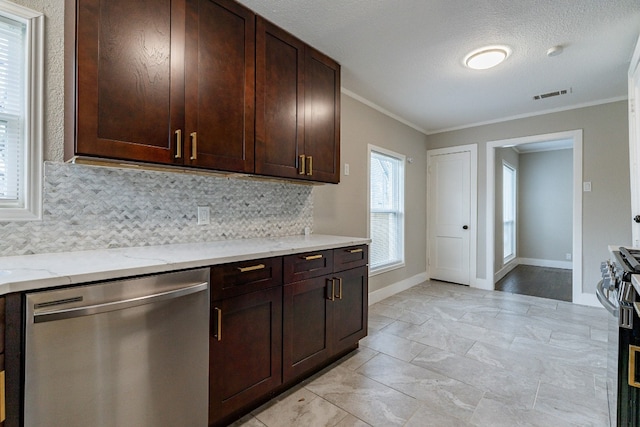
x=245 y=350
x=130 y=78
x=220 y=85
x=279 y=101
x=321 y=117
x=306 y=316
x=349 y=322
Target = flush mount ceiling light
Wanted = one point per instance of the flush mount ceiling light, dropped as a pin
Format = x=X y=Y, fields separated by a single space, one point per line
x=486 y=57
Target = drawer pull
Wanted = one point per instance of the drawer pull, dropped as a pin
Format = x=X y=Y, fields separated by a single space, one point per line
x=354 y=251
x=218 y=334
x=311 y=257
x=310 y=171
x=251 y=268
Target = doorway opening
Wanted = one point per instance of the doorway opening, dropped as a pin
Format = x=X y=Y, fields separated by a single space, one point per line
x=571 y=252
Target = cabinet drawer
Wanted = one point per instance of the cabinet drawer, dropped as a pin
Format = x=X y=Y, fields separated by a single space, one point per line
x=351 y=257
x=307 y=265
x=242 y=277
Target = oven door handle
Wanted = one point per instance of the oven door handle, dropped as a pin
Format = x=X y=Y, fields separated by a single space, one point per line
x=604 y=300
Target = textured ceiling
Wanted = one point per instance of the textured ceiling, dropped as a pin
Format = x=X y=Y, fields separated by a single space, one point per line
x=405 y=56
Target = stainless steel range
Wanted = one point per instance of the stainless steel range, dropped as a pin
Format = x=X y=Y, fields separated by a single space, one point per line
x=618 y=295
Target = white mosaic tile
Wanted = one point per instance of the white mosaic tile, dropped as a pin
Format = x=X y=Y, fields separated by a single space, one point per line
x=91 y=207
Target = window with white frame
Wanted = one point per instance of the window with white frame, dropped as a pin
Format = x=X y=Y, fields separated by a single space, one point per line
x=386 y=214
x=21 y=75
x=509 y=198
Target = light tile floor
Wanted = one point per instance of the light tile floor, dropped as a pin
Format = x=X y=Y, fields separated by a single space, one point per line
x=447 y=355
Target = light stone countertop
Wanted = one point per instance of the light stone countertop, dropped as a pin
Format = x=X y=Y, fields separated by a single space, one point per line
x=40 y=271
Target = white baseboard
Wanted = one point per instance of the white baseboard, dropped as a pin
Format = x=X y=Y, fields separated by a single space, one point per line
x=587 y=299
x=482 y=284
x=394 y=288
x=568 y=265
x=506 y=269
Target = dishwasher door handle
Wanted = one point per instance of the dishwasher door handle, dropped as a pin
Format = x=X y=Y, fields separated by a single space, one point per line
x=89 y=310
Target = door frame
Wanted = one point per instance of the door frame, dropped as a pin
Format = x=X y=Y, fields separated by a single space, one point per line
x=576 y=135
x=634 y=140
x=473 y=220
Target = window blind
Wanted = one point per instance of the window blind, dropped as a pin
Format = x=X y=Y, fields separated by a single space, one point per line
x=385 y=224
x=12 y=100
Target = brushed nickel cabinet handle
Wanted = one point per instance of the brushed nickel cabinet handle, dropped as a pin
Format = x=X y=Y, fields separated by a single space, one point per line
x=331 y=290
x=251 y=268
x=354 y=251
x=218 y=334
x=311 y=257
x=194 y=146
x=301 y=165
x=310 y=171
x=339 y=296
x=178 y=144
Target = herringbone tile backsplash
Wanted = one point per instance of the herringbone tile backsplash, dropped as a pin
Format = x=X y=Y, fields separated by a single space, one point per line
x=92 y=207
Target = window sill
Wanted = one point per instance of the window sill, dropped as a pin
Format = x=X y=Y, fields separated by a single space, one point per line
x=386 y=268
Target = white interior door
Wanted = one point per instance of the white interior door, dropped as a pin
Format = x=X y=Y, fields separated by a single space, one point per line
x=450 y=217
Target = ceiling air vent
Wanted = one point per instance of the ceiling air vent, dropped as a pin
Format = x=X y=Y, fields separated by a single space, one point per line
x=551 y=94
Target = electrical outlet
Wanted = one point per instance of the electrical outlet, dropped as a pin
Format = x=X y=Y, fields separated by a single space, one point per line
x=568 y=256
x=203 y=215
x=586 y=186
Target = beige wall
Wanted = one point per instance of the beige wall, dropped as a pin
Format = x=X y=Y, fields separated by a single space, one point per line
x=342 y=209
x=606 y=209
x=53 y=74
x=545 y=205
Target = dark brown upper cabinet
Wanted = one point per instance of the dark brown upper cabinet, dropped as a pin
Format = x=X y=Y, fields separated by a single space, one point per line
x=322 y=116
x=130 y=78
x=219 y=85
x=203 y=83
x=166 y=82
x=297 y=108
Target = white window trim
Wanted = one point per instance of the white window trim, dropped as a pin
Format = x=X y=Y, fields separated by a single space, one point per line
x=32 y=210
x=388 y=267
x=509 y=258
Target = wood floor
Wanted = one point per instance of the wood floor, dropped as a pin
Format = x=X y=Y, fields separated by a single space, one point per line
x=553 y=283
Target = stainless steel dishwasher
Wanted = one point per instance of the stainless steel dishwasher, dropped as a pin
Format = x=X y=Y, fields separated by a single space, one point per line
x=123 y=353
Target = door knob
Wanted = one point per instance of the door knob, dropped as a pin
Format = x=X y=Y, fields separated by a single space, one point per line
x=637 y=218
x=465 y=227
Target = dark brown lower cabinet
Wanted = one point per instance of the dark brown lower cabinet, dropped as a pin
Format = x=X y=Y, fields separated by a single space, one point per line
x=323 y=317
x=306 y=316
x=350 y=309
x=245 y=351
